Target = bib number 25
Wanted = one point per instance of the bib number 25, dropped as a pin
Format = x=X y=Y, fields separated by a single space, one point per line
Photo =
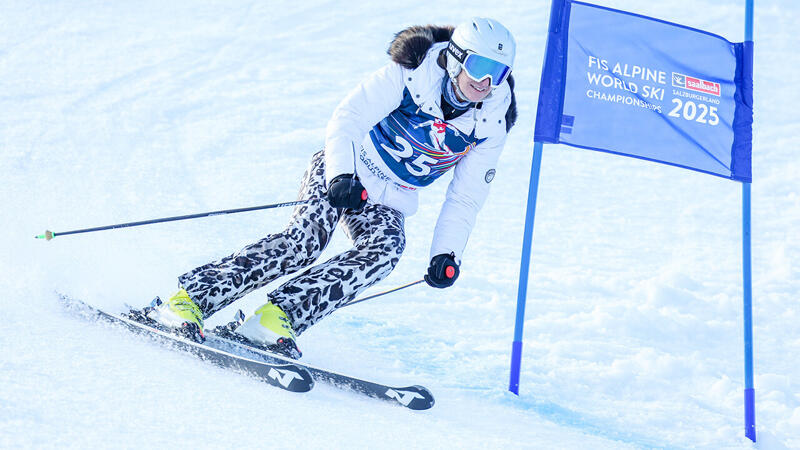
x=419 y=166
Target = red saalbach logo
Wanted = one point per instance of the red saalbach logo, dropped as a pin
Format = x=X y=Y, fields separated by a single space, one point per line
x=695 y=84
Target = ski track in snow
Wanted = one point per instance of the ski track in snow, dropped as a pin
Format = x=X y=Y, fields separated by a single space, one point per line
x=118 y=112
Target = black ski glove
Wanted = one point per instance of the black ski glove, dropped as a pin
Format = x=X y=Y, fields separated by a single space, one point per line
x=347 y=192
x=443 y=271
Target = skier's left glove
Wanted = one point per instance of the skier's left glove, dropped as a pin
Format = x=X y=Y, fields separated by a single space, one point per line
x=443 y=271
x=345 y=191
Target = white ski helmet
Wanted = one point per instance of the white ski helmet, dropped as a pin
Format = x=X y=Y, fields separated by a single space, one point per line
x=483 y=48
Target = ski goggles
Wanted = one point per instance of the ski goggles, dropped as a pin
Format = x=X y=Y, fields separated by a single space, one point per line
x=480 y=67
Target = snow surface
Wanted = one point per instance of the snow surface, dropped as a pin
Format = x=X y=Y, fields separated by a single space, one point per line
x=120 y=111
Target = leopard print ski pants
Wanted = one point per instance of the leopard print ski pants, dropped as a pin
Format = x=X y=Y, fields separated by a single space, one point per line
x=378 y=241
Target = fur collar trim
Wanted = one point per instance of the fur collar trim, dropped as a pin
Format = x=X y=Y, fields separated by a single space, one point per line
x=409 y=47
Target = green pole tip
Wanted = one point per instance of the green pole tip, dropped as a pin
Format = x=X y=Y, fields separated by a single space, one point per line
x=46 y=236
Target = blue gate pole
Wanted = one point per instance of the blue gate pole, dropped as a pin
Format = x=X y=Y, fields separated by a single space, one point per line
x=749 y=390
x=524 y=268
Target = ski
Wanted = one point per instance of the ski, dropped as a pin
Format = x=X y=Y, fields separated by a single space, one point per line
x=283 y=374
x=412 y=397
x=223 y=349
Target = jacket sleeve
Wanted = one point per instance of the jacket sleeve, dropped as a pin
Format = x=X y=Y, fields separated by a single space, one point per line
x=366 y=105
x=465 y=197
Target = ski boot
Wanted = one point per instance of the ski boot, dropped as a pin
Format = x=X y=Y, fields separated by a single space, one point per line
x=267 y=329
x=179 y=315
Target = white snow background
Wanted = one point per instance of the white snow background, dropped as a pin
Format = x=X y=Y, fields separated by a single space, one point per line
x=120 y=111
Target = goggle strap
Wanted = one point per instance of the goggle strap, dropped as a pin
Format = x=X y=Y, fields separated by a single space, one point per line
x=459 y=53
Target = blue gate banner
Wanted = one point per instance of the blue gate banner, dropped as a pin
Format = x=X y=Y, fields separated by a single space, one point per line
x=623 y=83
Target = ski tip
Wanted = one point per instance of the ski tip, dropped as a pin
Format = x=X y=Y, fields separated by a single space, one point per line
x=415 y=397
x=426 y=402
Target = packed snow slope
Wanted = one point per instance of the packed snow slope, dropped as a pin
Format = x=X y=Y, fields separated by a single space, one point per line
x=120 y=111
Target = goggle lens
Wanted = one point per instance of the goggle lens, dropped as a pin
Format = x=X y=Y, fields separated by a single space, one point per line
x=479 y=67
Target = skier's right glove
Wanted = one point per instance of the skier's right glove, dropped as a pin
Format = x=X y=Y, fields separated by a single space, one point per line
x=443 y=271
x=345 y=191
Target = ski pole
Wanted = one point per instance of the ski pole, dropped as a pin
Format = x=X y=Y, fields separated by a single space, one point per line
x=353 y=302
x=48 y=235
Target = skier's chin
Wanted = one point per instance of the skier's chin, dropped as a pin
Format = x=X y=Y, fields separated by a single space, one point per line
x=475 y=94
x=474 y=91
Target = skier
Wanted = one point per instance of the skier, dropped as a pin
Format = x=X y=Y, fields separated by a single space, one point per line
x=445 y=101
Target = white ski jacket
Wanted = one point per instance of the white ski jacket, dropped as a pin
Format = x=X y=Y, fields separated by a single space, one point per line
x=390 y=130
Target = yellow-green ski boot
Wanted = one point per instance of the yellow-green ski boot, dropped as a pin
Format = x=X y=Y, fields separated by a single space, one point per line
x=180 y=314
x=270 y=329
